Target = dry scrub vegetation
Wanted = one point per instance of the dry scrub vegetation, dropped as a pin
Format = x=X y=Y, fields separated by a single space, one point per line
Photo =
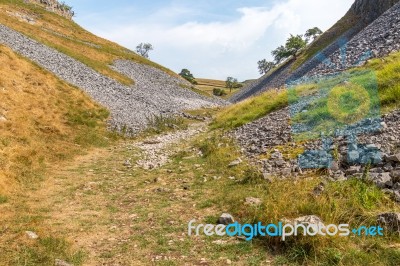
x=44 y=120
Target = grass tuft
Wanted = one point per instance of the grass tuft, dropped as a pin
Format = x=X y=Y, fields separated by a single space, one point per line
x=157 y=124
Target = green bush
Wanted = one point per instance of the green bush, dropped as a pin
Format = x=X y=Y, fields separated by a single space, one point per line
x=161 y=123
x=219 y=92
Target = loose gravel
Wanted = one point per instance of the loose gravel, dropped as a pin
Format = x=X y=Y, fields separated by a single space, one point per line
x=154 y=92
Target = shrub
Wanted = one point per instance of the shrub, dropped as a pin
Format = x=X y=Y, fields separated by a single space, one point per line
x=161 y=123
x=219 y=92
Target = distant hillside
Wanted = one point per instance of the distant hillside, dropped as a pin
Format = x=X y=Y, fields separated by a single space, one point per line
x=211 y=82
x=208 y=86
x=131 y=87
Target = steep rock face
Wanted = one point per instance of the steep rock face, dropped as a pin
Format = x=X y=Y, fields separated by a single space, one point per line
x=55 y=6
x=363 y=11
x=369 y=10
x=379 y=39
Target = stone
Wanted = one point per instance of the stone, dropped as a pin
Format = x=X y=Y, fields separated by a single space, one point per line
x=62 y=263
x=309 y=220
x=31 y=235
x=219 y=242
x=381 y=180
x=388 y=167
x=253 y=201
x=235 y=162
x=390 y=221
x=396 y=195
x=371 y=147
x=268 y=177
x=280 y=163
x=317 y=191
x=306 y=220
x=353 y=170
x=334 y=166
x=376 y=170
x=339 y=176
x=353 y=156
x=127 y=163
x=226 y=219
x=394 y=158
x=276 y=155
x=395 y=174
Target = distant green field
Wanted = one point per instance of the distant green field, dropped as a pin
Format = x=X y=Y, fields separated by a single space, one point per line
x=208 y=85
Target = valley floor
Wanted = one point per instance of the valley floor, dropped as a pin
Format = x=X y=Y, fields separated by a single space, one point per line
x=109 y=208
x=103 y=209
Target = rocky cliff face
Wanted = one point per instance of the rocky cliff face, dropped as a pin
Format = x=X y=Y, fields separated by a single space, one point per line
x=55 y=6
x=369 y=10
x=363 y=13
x=378 y=39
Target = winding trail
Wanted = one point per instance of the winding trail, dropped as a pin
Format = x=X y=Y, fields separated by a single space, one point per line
x=115 y=213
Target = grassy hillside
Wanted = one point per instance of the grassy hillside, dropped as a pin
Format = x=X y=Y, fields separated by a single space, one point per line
x=44 y=121
x=386 y=70
x=343 y=25
x=211 y=83
x=69 y=38
x=354 y=201
x=332 y=34
x=208 y=85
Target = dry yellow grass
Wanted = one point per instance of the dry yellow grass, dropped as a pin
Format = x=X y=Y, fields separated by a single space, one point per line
x=211 y=82
x=46 y=120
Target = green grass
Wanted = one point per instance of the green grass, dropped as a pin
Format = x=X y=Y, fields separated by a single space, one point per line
x=46 y=250
x=195 y=89
x=380 y=79
x=388 y=74
x=385 y=73
x=354 y=202
x=251 y=109
x=337 y=108
x=158 y=124
x=3 y=199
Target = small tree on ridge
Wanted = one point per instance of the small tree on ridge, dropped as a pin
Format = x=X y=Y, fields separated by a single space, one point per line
x=143 y=49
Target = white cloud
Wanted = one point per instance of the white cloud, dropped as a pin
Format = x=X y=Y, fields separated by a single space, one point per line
x=235 y=35
x=219 y=49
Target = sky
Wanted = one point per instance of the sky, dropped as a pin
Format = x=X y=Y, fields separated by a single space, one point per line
x=212 y=38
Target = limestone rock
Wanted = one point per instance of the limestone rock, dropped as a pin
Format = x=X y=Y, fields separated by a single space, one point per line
x=226 y=219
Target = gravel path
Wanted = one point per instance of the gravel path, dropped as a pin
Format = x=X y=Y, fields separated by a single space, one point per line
x=158 y=150
x=154 y=93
